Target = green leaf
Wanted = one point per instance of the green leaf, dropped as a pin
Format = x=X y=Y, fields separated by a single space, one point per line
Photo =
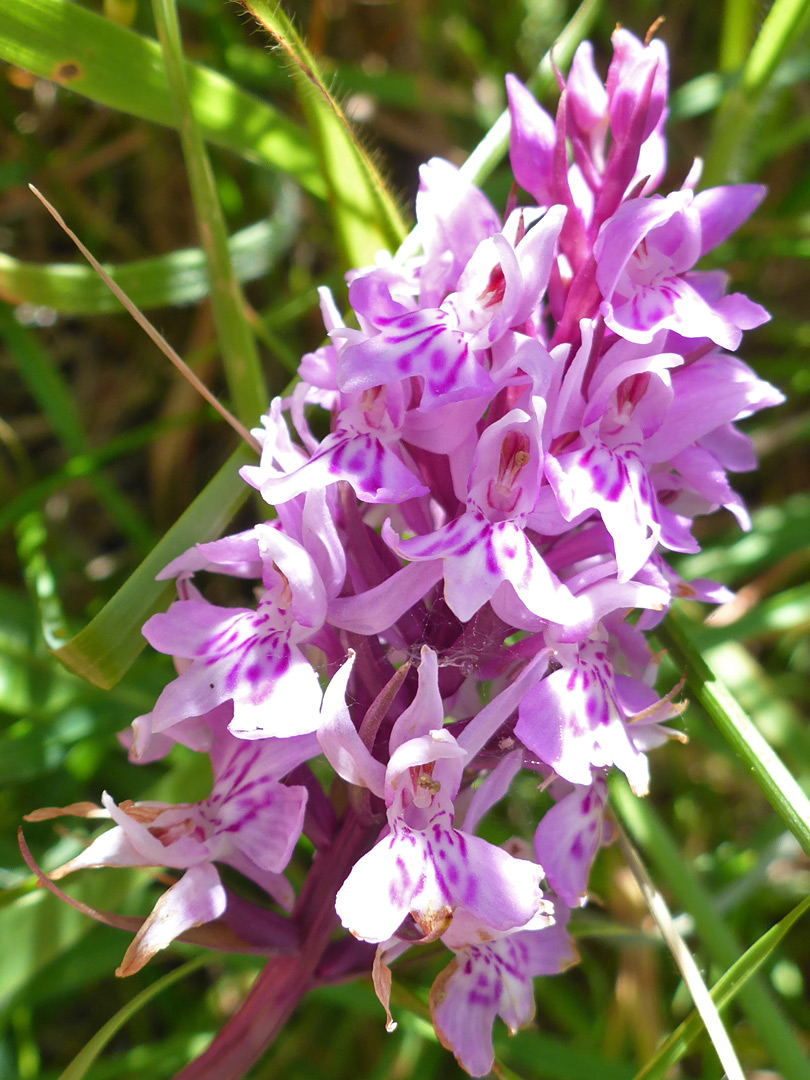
x=53 y=395
x=737 y=33
x=773 y=779
x=365 y=215
x=110 y=642
x=113 y=66
x=240 y=358
x=723 y=993
x=88 y=1054
x=763 y=1012
x=740 y=115
x=36 y=927
x=778 y=33
x=179 y=277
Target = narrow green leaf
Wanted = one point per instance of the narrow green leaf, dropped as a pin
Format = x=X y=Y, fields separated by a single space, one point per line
x=240 y=358
x=778 y=33
x=88 y=1054
x=60 y=40
x=737 y=33
x=654 y=839
x=110 y=642
x=31 y=537
x=733 y=142
x=723 y=993
x=85 y=466
x=179 y=277
x=773 y=779
x=365 y=215
x=54 y=397
x=684 y=959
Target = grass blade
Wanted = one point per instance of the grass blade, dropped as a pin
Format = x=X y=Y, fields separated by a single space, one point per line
x=773 y=779
x=240 y=358
x=148 y=328
x=658 y=846
x=90 y=1051
x=107 y=646
x=177 y=278
x=739 y=115
x=723 y=993
x=685 y=961
x=366 y=217
x=124 y=70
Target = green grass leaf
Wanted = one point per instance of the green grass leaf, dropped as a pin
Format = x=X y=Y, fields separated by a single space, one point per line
x=113 y=66
x=723 y=993
x=740 y=115
x=240 y=357
x=88 y=1054
x=111 y=641
x=717 y=939
x=179 y=277
x=365 y=215
x=773 y=779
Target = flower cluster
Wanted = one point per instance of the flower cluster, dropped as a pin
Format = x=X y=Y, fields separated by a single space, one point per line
x=520 y=421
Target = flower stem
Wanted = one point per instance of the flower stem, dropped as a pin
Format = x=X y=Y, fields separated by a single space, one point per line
x=284 y=979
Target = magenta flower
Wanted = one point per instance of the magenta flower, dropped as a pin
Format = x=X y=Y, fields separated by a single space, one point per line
x=482 y=467
x=423 y=867
x=250 y=822
x=643 y=257
x=491 y=975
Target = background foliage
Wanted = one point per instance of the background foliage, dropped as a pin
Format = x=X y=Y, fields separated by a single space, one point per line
x=103 y=447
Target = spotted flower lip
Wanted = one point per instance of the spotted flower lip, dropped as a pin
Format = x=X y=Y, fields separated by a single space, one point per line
x=491 y=975
x=423 y=867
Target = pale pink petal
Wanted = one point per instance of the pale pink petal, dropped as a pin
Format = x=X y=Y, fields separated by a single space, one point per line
x=197 y=898
x=374 y=611
x=532 y=141
x=724 y=209
x=568 y=837
x=345 y=750
x=377 y=894
x=426 y=711
x=492 y=789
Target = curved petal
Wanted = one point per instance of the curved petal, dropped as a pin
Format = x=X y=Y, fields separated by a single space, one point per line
x=198 y=897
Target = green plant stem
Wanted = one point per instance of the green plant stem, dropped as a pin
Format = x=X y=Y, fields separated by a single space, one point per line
x=723 y=992
x=241 y=360
x=771 y=775
x=658 y=846
x=739 y=114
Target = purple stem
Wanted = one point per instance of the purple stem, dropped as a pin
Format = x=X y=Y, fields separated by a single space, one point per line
x=284 y=980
